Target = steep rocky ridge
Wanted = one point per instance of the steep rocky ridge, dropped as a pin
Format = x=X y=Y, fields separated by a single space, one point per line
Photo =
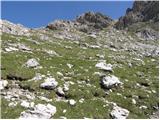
x=141 y=11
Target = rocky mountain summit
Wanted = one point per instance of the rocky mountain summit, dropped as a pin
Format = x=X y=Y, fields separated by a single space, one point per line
x=90 y=67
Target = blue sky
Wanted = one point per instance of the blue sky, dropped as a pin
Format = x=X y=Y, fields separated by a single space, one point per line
x=38 y=14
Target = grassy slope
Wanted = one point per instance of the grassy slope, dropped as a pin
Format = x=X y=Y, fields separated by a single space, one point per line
x=92 y=106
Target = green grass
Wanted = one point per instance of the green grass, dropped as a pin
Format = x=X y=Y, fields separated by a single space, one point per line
x=83 y=61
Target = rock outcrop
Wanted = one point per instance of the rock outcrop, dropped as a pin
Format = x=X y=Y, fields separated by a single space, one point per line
x=141 y=11
x=86 y=22
x=91 y=20
x=15 y=29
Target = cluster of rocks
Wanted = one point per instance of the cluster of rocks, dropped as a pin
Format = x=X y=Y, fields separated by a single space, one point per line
x=17 y=47
x=15 y=29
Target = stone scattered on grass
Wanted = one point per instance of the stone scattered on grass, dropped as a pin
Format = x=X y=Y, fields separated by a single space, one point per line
x=60 y=91
x=31 y=63
x=110 y=81
x=12 y=104
x=64 y=111
x=66 y=87
x=40 y=111
x=38 y=76
x=119 y=113
x=81 y=100
x=25 y=104
x=143 y=107
x=134 y=101
x=10 y=49
x=69 y=65
x=104 y=66
x=45 y=99
x=51 y=52
x=50 y=83
x=60 y=74
x=72 y=102
x=23 y=47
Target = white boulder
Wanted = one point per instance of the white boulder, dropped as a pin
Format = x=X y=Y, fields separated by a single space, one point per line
x=104 y=66
x=60 y=91
x=25 y=104
x=119 y=113
x=69 y=65
x=32 y=63
x=45 y=99
x=110 y=81
x=81 y=100
x=38 y=76
x=10 y=49
x=12 y=104
x=72 y=102
x=23 y=47
x=50 y=83
x=66 y=87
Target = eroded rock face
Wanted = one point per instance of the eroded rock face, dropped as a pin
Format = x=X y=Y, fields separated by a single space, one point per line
x=141 y=11
x=40 y=111
x=147 y=34
x=119 y=113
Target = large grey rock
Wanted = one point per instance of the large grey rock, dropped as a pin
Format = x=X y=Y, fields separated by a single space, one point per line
x=32 y=63
x=23 y=47
x=50 y=83
x=110 y=81
x=40 y=111
x=60 y=91
x=72 y=102
x=10 y=49
x=38 y=76
x=119 y=113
